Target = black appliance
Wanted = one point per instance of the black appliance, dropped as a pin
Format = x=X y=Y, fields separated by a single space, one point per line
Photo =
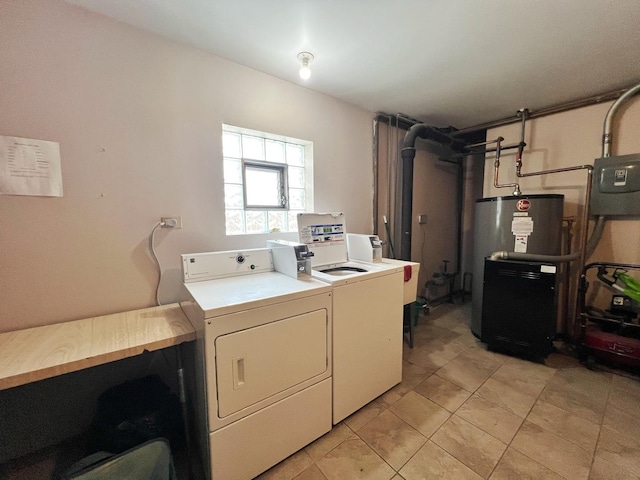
x=519 y=307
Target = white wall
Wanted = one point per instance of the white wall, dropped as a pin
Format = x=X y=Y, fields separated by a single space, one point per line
x=568 y=139
x=156 y=108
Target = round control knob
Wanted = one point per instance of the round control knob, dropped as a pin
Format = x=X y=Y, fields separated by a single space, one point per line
x=240 y=258
x=253 y=267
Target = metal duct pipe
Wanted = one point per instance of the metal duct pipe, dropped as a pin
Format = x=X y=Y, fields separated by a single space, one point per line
x=408 y=152
x=607 y=136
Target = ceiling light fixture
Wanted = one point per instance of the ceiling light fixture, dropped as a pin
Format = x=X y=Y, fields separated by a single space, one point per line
x=305 y=59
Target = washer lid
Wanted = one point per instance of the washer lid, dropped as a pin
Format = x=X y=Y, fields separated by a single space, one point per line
x=325 y=236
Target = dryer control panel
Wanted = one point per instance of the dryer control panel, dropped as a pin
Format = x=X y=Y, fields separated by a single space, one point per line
x=209 y=266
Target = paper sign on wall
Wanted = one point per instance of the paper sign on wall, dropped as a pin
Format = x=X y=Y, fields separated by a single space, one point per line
x=30 y=167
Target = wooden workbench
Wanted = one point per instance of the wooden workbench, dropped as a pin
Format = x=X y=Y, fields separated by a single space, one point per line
x=37 y=353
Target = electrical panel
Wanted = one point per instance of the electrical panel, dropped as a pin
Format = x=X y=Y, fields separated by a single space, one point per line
x=616 y=185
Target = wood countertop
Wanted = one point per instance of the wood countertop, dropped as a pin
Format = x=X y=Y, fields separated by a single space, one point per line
x=42 y=352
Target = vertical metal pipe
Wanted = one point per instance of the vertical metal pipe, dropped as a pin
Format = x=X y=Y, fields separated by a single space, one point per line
x=496 y=166
x=496 y=162
x=460 y=201
x=378 y=206
x=607 y=135
x=407 y=202
x=184 y=405
x=392 y=186
x=584 y=242
x=396 y=177
x=375 y=174
x=567 y=276
x=522 y=113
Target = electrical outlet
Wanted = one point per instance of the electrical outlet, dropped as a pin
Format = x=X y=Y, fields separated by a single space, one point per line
x=422 y=219
x=170 y=220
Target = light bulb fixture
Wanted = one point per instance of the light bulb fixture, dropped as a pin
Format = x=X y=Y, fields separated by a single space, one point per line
x=305 y=59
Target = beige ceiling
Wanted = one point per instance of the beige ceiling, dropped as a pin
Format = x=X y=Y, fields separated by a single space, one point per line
x=445 y=62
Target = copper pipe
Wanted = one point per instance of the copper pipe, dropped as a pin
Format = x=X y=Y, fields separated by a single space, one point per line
x=496 y=167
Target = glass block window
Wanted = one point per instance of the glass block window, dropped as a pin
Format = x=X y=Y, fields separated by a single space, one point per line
x=268 y=180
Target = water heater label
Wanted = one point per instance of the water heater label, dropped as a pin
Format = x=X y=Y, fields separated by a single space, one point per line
x=620 y=178
x=521 y=243
x=522 y=226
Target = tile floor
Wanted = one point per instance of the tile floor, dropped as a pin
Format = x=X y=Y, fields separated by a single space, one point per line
x=462 y=412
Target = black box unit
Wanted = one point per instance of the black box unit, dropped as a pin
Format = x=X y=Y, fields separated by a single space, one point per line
x=519 y=307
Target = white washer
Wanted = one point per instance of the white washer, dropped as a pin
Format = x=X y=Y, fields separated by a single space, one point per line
x=263 y=360
x=367 y=314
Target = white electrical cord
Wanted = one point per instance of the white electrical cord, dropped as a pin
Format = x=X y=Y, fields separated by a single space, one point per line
x=155 y=258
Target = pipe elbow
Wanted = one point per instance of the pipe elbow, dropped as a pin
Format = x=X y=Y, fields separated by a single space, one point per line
x=420 y=130
x=412 y=135
x=499 y=255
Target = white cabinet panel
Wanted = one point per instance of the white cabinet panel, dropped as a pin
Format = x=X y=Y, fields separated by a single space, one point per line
x=257 y=442
x=259 y=362
x=367 y=341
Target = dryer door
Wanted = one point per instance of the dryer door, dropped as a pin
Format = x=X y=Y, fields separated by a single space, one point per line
x=256 y=363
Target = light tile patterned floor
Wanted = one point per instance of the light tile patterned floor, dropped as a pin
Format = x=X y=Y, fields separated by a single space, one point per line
x=462 y=412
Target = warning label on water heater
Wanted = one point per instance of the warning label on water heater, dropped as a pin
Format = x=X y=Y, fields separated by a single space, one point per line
x=522 y=226
x=521 y=244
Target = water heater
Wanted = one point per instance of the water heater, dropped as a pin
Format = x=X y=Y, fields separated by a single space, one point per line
x=526 y=224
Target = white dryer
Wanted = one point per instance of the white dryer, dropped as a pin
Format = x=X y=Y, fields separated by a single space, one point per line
x=367 y=314
x=263 y=360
